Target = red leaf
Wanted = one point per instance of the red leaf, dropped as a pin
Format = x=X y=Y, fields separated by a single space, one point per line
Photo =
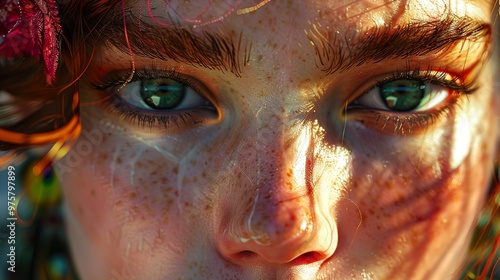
x=34 y=19
x=50 y=30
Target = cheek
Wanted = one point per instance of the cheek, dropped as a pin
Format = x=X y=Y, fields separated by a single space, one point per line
x=128 y=193
x=416 y=198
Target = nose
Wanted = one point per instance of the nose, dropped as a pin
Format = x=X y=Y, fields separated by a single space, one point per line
x=282 y=220
x=287 y=232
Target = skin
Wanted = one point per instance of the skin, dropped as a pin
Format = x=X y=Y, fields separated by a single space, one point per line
x=278 y=183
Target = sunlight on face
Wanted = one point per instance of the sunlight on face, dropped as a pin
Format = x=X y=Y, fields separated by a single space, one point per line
x=300 y=140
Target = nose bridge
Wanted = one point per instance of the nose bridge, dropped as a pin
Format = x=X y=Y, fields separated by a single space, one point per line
x=277 y=218
x=282 y=199
x=284 y=149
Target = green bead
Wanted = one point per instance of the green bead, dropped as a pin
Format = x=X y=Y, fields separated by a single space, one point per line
x=43 y=189
x=58 y=266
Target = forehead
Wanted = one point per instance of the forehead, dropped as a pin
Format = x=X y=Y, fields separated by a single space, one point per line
x=341 y=15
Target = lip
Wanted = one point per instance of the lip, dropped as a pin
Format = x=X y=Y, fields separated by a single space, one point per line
x=302 y=268
x=303 y=272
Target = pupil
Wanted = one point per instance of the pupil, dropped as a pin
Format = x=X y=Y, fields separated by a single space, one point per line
x=403 y=95
x=162 y=93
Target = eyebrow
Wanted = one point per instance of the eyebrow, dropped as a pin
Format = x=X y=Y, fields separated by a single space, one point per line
x=334 y=52
x=211 y=50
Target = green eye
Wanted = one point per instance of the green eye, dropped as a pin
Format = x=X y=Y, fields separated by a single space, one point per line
x=162 y=93
x=403 y=95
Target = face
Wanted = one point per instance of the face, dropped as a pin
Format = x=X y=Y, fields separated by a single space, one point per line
x=289 y=140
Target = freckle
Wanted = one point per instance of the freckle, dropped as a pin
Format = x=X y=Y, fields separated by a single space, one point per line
x=132 y=195
x=119 y=203
x=80 y=210
x=176 y=193
x=203 y=174
x=193 y=264
x=152 y=183
x=163 y=180
x=175 y=170
x=92 y=192
x=118 y=159
x=103 y=157
x=168 y=203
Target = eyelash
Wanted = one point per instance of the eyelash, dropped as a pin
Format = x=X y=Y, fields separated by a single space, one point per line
x=431 y=76
x=404 y=123
x=122 y=77
x=144 y=118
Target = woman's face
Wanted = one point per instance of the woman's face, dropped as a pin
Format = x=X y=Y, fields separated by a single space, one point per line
x=292 y=140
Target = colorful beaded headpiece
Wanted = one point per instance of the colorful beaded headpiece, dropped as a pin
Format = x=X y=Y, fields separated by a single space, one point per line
x=31 y=27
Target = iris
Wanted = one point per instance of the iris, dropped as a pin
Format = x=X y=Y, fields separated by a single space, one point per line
x=162 y=93
x=403 y=95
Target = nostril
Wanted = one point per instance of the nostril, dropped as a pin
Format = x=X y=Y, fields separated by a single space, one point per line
x=245 y=255
x=286 y=234
x=307 y=258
